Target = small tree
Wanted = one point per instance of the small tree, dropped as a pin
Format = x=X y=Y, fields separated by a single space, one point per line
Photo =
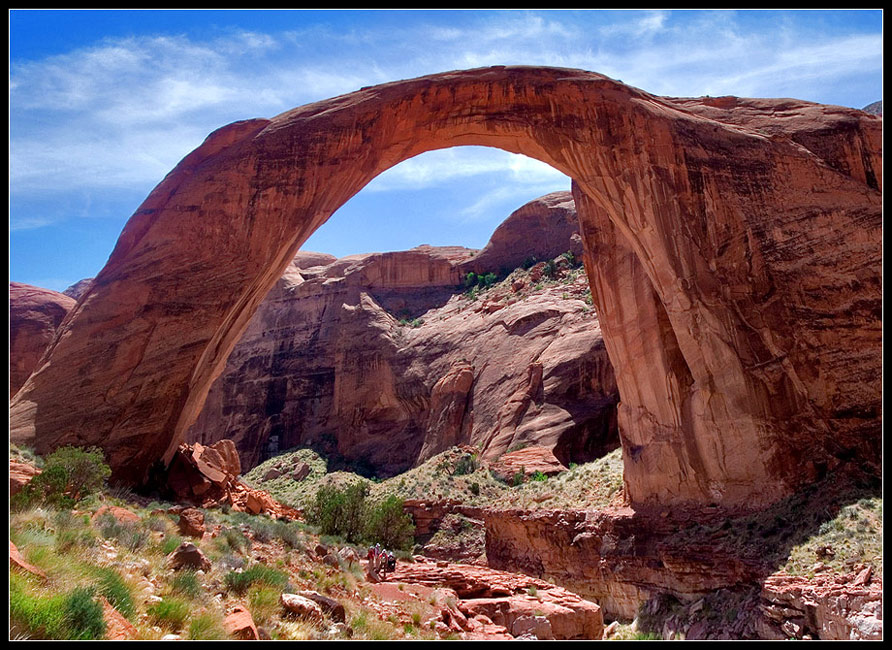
x=69 y=475
x=389 y=524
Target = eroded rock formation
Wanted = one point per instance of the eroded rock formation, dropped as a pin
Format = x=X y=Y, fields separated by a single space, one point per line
x=379 y=359
x=34 y=315
x=733 y=248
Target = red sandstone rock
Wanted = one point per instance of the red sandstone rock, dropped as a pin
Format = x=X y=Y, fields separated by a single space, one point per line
x=504 y=598
x=239 y=624
x=34 y=315
x=117 y=627
x=529 y=461
x=733 y=247
x=330 y=606
x=188 y=556
x=301 y=606
x=192 y=523
x=327 y=357
x=19 y=475
x=123 y=515
x=16 y=559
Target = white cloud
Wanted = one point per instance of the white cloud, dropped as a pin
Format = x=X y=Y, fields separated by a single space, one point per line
x=445 y=165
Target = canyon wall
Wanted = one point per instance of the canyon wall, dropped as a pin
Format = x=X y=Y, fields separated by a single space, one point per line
x=380 y=360
x=733 y=248
x=34 y=315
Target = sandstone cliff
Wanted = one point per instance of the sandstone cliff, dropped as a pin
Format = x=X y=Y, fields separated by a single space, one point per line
x=380 y=360
x=34 y=315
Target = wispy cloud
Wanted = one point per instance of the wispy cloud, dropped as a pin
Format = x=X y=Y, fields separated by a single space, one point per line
x=123 y=112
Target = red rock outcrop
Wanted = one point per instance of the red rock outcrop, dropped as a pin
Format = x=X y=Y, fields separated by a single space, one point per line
x=529 y=461
x=536 y=232
x=20 y=474
x=733 y=247
x=34 y=315
x=507 y=599
x=827 y=607
x=208 y=476
x=380 y=360
x=16 y=560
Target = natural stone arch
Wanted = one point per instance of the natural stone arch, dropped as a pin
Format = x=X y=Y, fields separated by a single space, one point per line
x=717 y=234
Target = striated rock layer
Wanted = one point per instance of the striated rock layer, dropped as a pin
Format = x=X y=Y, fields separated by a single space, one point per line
x=34 y=315
x=380 y=360
x=733 y=248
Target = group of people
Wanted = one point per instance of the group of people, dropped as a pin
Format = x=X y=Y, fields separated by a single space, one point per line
x=380 y=562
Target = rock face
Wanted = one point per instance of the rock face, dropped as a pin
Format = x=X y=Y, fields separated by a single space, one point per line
x=535 y=232
x=34 y=315
x=20 y=474
x=381 y=360
x=733 y=248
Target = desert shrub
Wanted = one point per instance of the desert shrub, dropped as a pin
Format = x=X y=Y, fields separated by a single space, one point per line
x=550 y=269
x=170 y=543
x=206 y=627
x=475 y=489
x=263 y=529
x=111 y=585
x=488 y=280
x=84 y=614
x=232 y=539
x=347 y=514
x=529 y=263
x=467 y=464
x=538 y=476
x=263 y=602
x=387 y=523
x=340 y=512
x=187 y=584
x=129 y=535
x=170 y=613
x=518 y=478
x=257 y=574
x=69 y=475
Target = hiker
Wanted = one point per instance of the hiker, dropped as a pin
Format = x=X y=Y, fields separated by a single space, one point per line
x=391 y=562
x=371 y=570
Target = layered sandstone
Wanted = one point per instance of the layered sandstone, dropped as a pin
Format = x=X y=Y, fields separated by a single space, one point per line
x=381 y=360
x=34 y=315
x=733 y=248
x=508 y=600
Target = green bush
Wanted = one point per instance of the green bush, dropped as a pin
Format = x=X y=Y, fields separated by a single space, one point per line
x=115 y=589
x=170 y=613
x=69 y=475
x=206 y=627
x=389 y=525
x=471 y=280
x=467 y=464
x=538 y=476
x=257 y=574
x=84 y=614
x=340 y=512
x=187 y=584
x=347 y=514
x=518 y=478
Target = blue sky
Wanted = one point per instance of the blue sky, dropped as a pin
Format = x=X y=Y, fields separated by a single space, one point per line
x=104 y=103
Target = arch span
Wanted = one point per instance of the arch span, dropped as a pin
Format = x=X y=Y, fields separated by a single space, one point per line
x=733 y=248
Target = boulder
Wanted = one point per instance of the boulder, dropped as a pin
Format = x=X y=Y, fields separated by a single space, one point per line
x=122 y=515
x=191 y=523
x=528 y=461
x=239 y=624
x=301 y=607
x=330 y=606
x=188 y=556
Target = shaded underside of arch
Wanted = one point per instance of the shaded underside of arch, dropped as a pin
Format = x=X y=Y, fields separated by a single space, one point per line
x=733 y=247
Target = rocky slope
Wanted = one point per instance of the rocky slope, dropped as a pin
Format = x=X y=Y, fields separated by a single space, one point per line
x=380 y=358
x=34 y=315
